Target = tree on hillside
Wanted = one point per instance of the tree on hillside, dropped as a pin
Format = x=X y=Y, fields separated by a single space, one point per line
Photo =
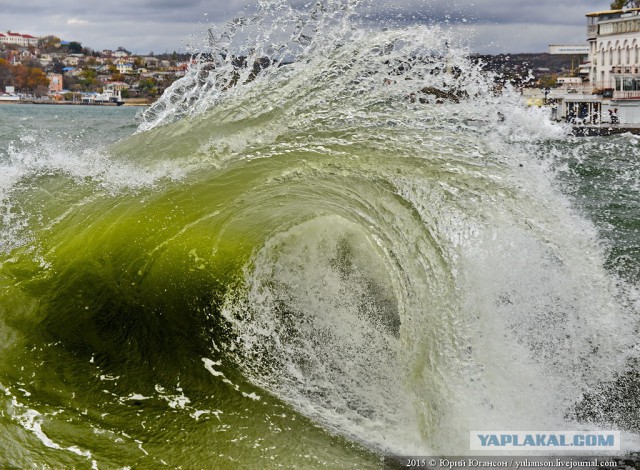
x=49 y=42
x=620 y=4
x=29 y=78
x=24 y=78
x=548 y=81
x=72 y=83
x=6 y=76
x=88 y=78
x=75 y=47
x=147 y=86
x=57 y=66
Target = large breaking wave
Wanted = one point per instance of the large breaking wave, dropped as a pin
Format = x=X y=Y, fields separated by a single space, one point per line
x=357 y=223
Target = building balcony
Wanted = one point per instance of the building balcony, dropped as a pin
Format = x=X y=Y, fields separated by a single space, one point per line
x=626 y=95
x=618 y=69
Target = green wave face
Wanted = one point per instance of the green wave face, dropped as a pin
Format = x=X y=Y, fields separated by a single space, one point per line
x=315 y=264
x=113 y=326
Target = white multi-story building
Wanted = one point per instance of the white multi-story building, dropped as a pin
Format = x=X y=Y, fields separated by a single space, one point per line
x=614 y=54
x=23 y=40
x=611 y=87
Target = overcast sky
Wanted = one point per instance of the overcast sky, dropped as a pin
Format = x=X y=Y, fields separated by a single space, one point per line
x=141 y=26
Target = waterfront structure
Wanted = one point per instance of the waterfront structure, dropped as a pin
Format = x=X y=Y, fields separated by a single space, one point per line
x=607 y=89
x=614 y=52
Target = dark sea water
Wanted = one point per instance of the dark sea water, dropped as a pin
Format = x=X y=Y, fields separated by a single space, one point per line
x=312 y=265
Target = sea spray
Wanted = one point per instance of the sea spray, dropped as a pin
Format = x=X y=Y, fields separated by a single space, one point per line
x=324 y=243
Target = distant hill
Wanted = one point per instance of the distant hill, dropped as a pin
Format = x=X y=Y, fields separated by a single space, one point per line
x=510 y=63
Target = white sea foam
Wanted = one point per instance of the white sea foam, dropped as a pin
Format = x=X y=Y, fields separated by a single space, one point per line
x=437 y=213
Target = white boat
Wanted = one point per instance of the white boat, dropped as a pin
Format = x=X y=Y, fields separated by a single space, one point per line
x=110 y=96
x=107 y=96
x=9 y=97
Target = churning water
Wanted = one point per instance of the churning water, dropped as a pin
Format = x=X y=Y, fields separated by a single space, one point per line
x=328 y=242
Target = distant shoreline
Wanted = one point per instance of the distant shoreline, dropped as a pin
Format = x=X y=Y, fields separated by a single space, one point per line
x=133 y=102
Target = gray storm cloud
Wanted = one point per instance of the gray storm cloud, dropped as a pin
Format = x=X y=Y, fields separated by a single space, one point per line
x=159 y=25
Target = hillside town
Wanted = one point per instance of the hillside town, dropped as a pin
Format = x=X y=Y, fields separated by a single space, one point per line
x=50 y=69
x=600 y=86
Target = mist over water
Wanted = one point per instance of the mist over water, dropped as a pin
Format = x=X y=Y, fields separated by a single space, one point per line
x=326 y=243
